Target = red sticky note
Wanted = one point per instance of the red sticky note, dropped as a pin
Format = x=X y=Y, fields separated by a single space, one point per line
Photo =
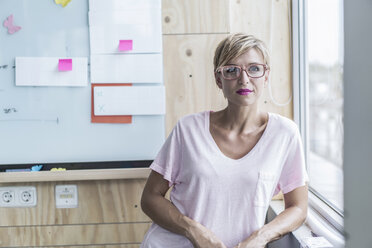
x=65 y=65
x=126 y=45
x=108 y=118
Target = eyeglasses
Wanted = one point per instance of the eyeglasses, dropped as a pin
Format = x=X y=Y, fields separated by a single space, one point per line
x=231 y=72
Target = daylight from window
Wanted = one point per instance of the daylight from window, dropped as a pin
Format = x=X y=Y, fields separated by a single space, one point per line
x=325 y=105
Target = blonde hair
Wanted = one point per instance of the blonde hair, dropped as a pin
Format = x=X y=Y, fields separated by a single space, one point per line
x=235 y=45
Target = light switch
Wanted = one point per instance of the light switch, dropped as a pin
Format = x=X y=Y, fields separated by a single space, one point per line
x=66 y=196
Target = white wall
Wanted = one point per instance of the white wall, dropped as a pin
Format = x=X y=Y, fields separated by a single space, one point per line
x=358 y=123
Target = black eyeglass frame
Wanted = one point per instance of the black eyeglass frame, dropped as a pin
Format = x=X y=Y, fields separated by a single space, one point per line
x=219 y=69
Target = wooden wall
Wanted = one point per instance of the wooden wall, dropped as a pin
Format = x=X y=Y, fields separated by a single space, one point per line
x=109 y=213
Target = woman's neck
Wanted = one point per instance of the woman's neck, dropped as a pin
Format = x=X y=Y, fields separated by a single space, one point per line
x=240 y=120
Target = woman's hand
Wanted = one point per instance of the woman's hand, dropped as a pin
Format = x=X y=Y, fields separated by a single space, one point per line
x=202 y=237
x=253 y=241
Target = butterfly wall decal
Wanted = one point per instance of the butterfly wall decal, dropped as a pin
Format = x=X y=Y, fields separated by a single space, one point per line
x=8 y=23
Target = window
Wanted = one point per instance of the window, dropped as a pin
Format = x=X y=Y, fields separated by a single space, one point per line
x=318 y=95
x=325 y=104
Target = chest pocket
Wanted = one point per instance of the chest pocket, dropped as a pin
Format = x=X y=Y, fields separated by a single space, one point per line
x=264 y=188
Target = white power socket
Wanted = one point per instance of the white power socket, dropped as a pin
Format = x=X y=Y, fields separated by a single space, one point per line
x=18 y=196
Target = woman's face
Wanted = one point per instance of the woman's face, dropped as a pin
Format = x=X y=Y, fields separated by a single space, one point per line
x=244 y=91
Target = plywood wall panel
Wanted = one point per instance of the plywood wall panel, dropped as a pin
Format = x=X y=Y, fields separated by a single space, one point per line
x=189 y=78
x=62 y=235
x=252 y=17
x=195 y=16
x=269 y=20
x=280 y=100
x=108 y=201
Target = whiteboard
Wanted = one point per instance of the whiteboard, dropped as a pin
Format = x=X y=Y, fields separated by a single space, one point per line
x=46 y=124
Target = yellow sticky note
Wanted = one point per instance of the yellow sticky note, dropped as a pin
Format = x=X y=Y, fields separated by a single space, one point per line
x=62 y=2
x=58 y=169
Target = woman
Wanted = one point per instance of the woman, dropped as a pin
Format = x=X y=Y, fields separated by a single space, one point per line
x=225 y=166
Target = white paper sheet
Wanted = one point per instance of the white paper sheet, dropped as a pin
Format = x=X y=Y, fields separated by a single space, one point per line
x=129 y=100
x=119 y=5
x=316 y=242
x=126 y=68
x=142 y=26
x=43 y=71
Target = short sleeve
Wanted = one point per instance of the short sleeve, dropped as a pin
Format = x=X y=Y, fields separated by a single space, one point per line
x=293 y=174
x=169 y=159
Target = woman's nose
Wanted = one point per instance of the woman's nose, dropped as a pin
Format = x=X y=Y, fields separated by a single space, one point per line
x=244 y=79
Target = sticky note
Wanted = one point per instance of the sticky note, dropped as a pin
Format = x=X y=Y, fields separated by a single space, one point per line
x=62 y=2
x=126 y=45
x=110 y=118
x=65 y=65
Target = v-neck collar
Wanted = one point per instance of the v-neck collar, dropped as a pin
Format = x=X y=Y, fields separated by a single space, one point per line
x=218 y=150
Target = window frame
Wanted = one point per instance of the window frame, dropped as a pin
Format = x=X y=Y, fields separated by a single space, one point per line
x=300 y=79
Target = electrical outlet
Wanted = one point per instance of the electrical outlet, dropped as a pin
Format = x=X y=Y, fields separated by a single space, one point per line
x=18 y=196
x=66 y=196
x=26 y=196
x=7 y=197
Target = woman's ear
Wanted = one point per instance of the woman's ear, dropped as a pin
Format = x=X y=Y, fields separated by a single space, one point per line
x=267 y=74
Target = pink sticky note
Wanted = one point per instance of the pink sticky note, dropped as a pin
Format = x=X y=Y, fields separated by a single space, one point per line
x=65 y=65
x=126 y=45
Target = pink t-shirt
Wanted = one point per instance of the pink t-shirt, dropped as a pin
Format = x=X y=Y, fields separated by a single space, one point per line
x=228 y=196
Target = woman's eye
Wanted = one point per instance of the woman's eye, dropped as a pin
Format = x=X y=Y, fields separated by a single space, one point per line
x=254 y=68
x=232 y=69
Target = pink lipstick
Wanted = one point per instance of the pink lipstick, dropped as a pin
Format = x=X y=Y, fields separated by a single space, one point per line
x=244 y=92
